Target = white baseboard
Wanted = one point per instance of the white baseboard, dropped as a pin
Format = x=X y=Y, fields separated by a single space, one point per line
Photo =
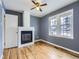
x=58 y=46
x=1 y=57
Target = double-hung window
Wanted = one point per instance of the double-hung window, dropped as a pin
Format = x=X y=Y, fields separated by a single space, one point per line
x=53 y=26
x=61 y=25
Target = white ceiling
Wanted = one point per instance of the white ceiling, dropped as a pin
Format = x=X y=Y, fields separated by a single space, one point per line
x=22 y=5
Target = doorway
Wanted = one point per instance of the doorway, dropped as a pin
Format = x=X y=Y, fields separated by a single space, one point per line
x=13 y=20
x=11 y=29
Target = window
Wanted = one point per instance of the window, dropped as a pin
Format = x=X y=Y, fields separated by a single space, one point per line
x=61 y=25
x=53 y=24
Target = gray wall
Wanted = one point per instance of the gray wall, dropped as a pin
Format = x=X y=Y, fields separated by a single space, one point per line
x=68 y=43
x=34 y=22
x=1 y=47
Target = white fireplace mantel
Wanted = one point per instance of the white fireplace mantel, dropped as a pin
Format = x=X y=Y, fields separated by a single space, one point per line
x=26 y=27
x=19 y=34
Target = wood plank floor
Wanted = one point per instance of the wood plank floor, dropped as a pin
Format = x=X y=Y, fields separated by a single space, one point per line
x=39 y=50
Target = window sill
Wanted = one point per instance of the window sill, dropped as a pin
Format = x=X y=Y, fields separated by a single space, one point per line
x=60 y=36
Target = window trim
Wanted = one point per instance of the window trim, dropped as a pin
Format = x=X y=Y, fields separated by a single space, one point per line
x=58 y=17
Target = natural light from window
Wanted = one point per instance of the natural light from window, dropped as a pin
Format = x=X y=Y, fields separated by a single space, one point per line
x=61 y=25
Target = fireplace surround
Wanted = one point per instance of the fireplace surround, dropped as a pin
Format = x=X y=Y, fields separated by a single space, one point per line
x=26 y=36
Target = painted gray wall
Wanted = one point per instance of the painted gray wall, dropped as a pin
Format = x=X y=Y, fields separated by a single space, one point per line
x=34 y=22
x=68 y=43
x=1 y=47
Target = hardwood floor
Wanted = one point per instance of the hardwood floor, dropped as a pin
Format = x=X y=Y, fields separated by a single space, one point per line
x=39 y=50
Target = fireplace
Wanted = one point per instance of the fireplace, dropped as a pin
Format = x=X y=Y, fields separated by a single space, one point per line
x=26 y=36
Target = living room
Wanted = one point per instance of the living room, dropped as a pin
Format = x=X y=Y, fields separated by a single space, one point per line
x=33 y=29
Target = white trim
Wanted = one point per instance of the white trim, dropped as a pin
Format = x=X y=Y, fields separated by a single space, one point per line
x=19 y=34
x=1 y=57
x=58 y=46
x=3 y=37
x=3 y=13
x=57 y=17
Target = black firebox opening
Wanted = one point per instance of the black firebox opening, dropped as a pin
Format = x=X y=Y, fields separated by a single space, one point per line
x=26 y=37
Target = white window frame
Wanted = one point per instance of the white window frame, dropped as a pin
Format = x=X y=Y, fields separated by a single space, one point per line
x=58 y=16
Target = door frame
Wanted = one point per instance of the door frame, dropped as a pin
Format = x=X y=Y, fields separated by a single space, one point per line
x=3 y=37
x=20 y=20
x=10 y=21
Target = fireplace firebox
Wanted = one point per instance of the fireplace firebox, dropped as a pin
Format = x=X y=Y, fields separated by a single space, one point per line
x=26 y=37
